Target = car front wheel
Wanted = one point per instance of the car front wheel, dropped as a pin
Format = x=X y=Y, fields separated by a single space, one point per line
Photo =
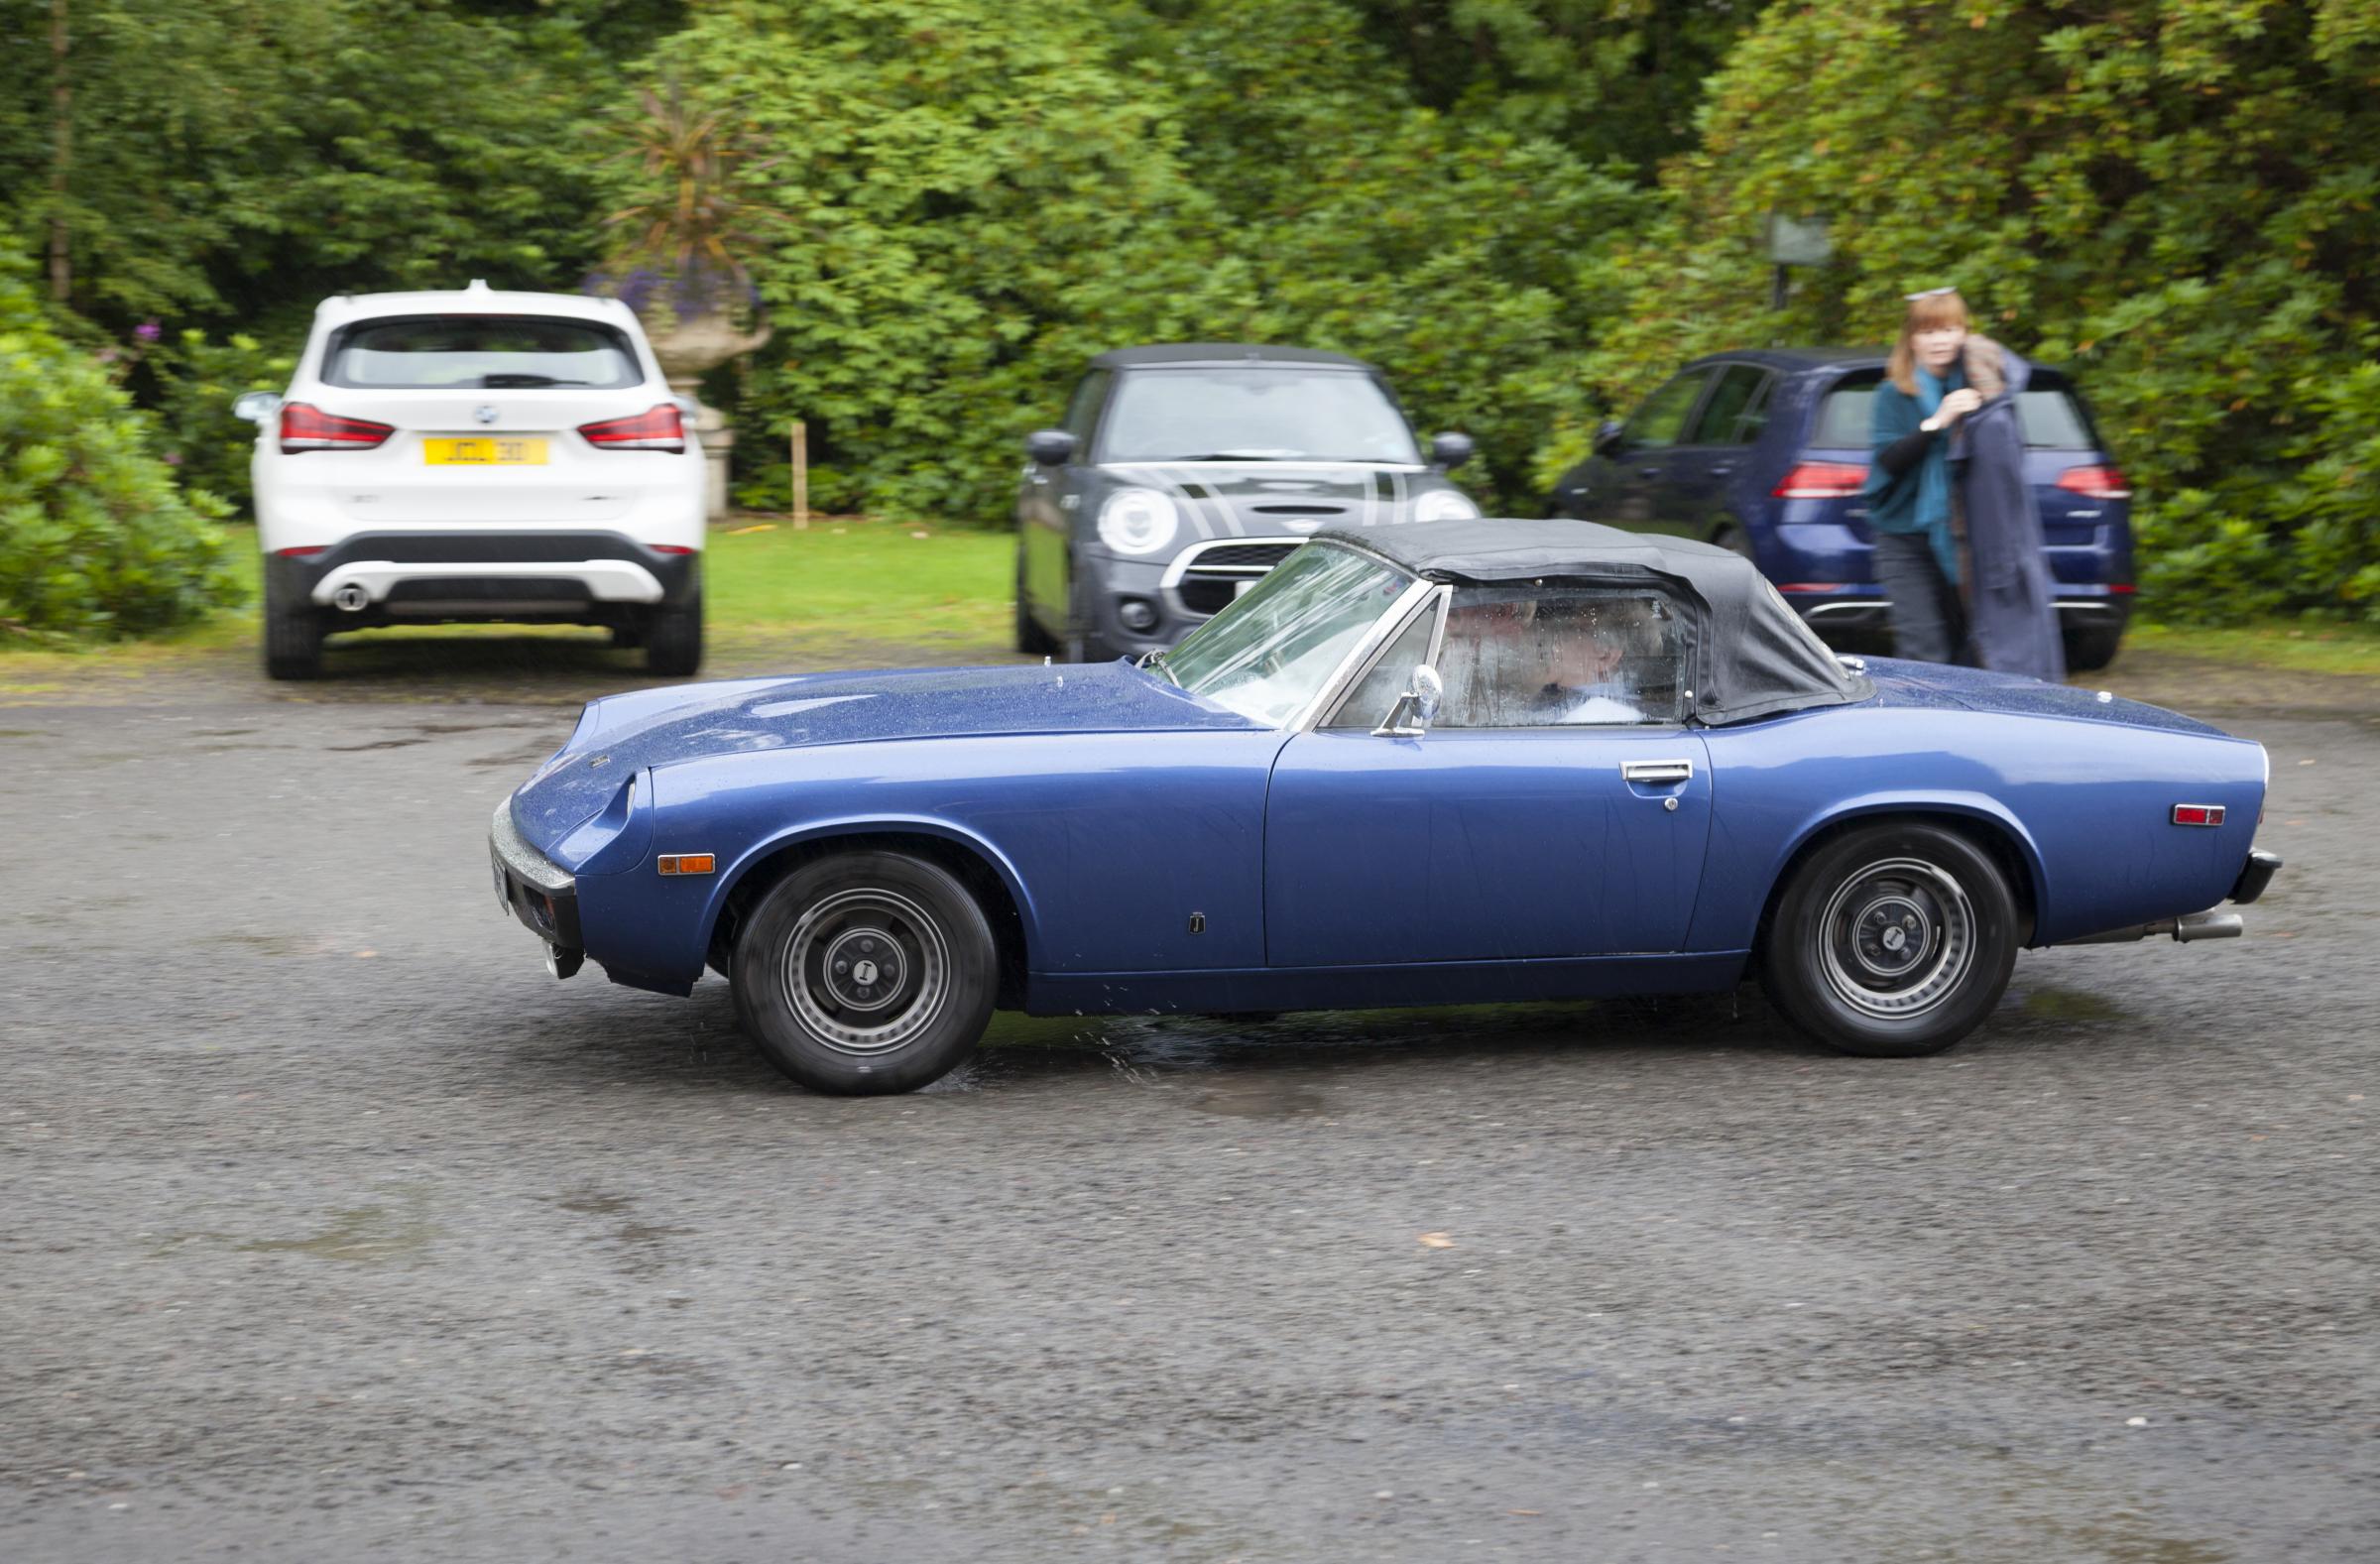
x=864 y=973
x=1892 y=941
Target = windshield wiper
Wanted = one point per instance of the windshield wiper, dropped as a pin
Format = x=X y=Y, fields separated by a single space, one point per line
x=503 y=381
x=1235 y=455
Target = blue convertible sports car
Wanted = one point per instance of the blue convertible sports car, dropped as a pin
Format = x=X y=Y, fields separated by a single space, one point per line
x=1474 y=761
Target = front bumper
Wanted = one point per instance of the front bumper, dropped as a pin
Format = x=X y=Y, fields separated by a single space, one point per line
x=541 y=894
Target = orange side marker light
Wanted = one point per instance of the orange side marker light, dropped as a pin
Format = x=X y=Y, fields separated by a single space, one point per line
x=686 y=863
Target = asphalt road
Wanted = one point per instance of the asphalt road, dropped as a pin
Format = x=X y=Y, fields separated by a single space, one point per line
x=337 y=1230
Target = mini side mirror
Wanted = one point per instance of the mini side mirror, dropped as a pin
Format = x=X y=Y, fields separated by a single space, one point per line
x=1451 y=449
x=1050 y=448
x=1609 y=437
x=1416 y=708
x=257 y=406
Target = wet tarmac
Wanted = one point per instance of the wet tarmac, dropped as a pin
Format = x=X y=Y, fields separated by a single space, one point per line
x=336 y=1229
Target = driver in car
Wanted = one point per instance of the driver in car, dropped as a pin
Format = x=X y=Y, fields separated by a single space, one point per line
x=1580 y=648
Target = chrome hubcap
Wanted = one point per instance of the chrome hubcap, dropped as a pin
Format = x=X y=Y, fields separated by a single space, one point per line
x=867 y=971
x=1897 y=938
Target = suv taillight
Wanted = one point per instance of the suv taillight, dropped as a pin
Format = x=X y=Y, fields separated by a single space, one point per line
x=2095 y=483
x=305 y=427
x=1820 y=480
x=658 y=429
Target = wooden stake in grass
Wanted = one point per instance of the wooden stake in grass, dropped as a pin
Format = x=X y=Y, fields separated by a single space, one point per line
x=801 y=473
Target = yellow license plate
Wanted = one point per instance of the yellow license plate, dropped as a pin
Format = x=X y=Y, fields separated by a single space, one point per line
x=484 y=451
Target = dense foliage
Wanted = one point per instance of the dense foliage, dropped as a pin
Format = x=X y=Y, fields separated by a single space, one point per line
x=1525 y=210
x=95 y=535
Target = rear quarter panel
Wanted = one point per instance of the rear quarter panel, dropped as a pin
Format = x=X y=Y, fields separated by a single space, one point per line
x=2085 y=804
x=1107 y=842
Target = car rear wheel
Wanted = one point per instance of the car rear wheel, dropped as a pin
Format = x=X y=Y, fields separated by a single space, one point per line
x=1892 y=941
x=2092 y=648
x=293 y=633
x=864 y=973
x=672 y=638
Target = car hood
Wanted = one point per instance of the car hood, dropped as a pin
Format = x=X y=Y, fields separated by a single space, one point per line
x=621 y=735
x=1978 y=689
x=1281 y=497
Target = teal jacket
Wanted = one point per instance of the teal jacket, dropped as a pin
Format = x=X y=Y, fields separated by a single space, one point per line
x=1893 y=504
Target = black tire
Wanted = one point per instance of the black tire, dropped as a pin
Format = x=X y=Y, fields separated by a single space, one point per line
x=673 y=637
x=293 y=633
x=857 y=1031
x=2093 y=648
x=1892 y=941
x=1082 y=642
x=1031 y=636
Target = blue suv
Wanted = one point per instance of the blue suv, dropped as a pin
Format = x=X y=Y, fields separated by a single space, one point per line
x=1764 y=451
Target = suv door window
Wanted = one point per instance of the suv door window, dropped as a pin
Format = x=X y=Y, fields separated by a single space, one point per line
x=1545 y=657
x=1662 y=419
x=1741 y=392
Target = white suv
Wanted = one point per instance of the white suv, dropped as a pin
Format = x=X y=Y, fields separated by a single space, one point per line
x=477 y=455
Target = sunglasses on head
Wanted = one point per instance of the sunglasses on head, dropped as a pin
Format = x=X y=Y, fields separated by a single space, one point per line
x=1931 y=292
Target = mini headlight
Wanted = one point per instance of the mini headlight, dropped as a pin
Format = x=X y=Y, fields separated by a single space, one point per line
x=1443 y=505
x=1137 y=520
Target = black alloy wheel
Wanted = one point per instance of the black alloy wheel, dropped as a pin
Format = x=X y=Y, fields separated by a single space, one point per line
x=1892 y=941
x=864 y=973
x=293 y=633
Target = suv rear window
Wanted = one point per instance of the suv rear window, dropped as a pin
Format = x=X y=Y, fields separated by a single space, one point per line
x=480 y=354
x=2052 y=417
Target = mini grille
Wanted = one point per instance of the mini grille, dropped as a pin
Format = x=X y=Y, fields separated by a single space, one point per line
x=1242 y=556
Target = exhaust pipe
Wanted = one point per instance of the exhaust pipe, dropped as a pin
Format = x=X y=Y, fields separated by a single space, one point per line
x=2190 y=927
x=352 y=598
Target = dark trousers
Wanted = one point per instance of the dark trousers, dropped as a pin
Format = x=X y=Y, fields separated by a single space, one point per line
x=1928 y=623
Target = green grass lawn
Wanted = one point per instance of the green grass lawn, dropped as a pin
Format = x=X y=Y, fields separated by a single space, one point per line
x=841 y=588
x=772 y=590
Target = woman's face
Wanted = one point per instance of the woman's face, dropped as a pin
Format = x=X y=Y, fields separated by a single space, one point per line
x=1937 y=346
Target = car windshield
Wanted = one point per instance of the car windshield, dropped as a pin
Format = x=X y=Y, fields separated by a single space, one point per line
x=1257 y=413
x=480 y=353
x=1269 y=653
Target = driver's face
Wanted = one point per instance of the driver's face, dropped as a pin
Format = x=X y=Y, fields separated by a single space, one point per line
x=1588 y=658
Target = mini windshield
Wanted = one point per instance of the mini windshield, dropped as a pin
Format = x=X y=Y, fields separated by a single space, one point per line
x=480 y=353
x=1257 y=413
x=1269 y=653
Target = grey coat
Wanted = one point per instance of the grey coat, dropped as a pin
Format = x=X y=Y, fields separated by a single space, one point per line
x=2012 y=608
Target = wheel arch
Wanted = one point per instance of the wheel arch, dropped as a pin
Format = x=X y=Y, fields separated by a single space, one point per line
x=1983 y=821
x=981 y=868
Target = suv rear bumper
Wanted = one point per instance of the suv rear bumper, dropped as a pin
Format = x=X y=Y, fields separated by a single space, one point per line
x=571 y=577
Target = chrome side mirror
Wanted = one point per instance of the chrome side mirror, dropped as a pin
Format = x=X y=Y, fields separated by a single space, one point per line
x=257 y=406
x=1416 y=708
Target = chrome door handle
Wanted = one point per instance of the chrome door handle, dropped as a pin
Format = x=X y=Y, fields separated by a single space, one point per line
x=1656 y=771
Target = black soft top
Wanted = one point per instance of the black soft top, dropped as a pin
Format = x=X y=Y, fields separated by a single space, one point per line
x=1750 y=654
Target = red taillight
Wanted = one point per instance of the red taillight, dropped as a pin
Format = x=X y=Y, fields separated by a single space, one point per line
x=2197 y=814
x=660 y=428
x=671 y=549
x=1809 y=586
x=1820 y=480
x=2095 y=483
x=302 y=550
x=305 y=427
x=2123 y=589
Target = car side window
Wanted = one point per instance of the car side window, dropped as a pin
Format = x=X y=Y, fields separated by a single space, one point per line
x=1545 y=657
x=1740 y=389
x=1082 y=414
x=1661 y=421
x=1376 y=693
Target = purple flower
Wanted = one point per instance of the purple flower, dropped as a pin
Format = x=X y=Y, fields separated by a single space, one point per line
x=147 y=332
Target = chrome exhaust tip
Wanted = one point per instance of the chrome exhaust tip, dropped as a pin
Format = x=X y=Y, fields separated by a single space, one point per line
x=352 y=598
x=563 y=963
